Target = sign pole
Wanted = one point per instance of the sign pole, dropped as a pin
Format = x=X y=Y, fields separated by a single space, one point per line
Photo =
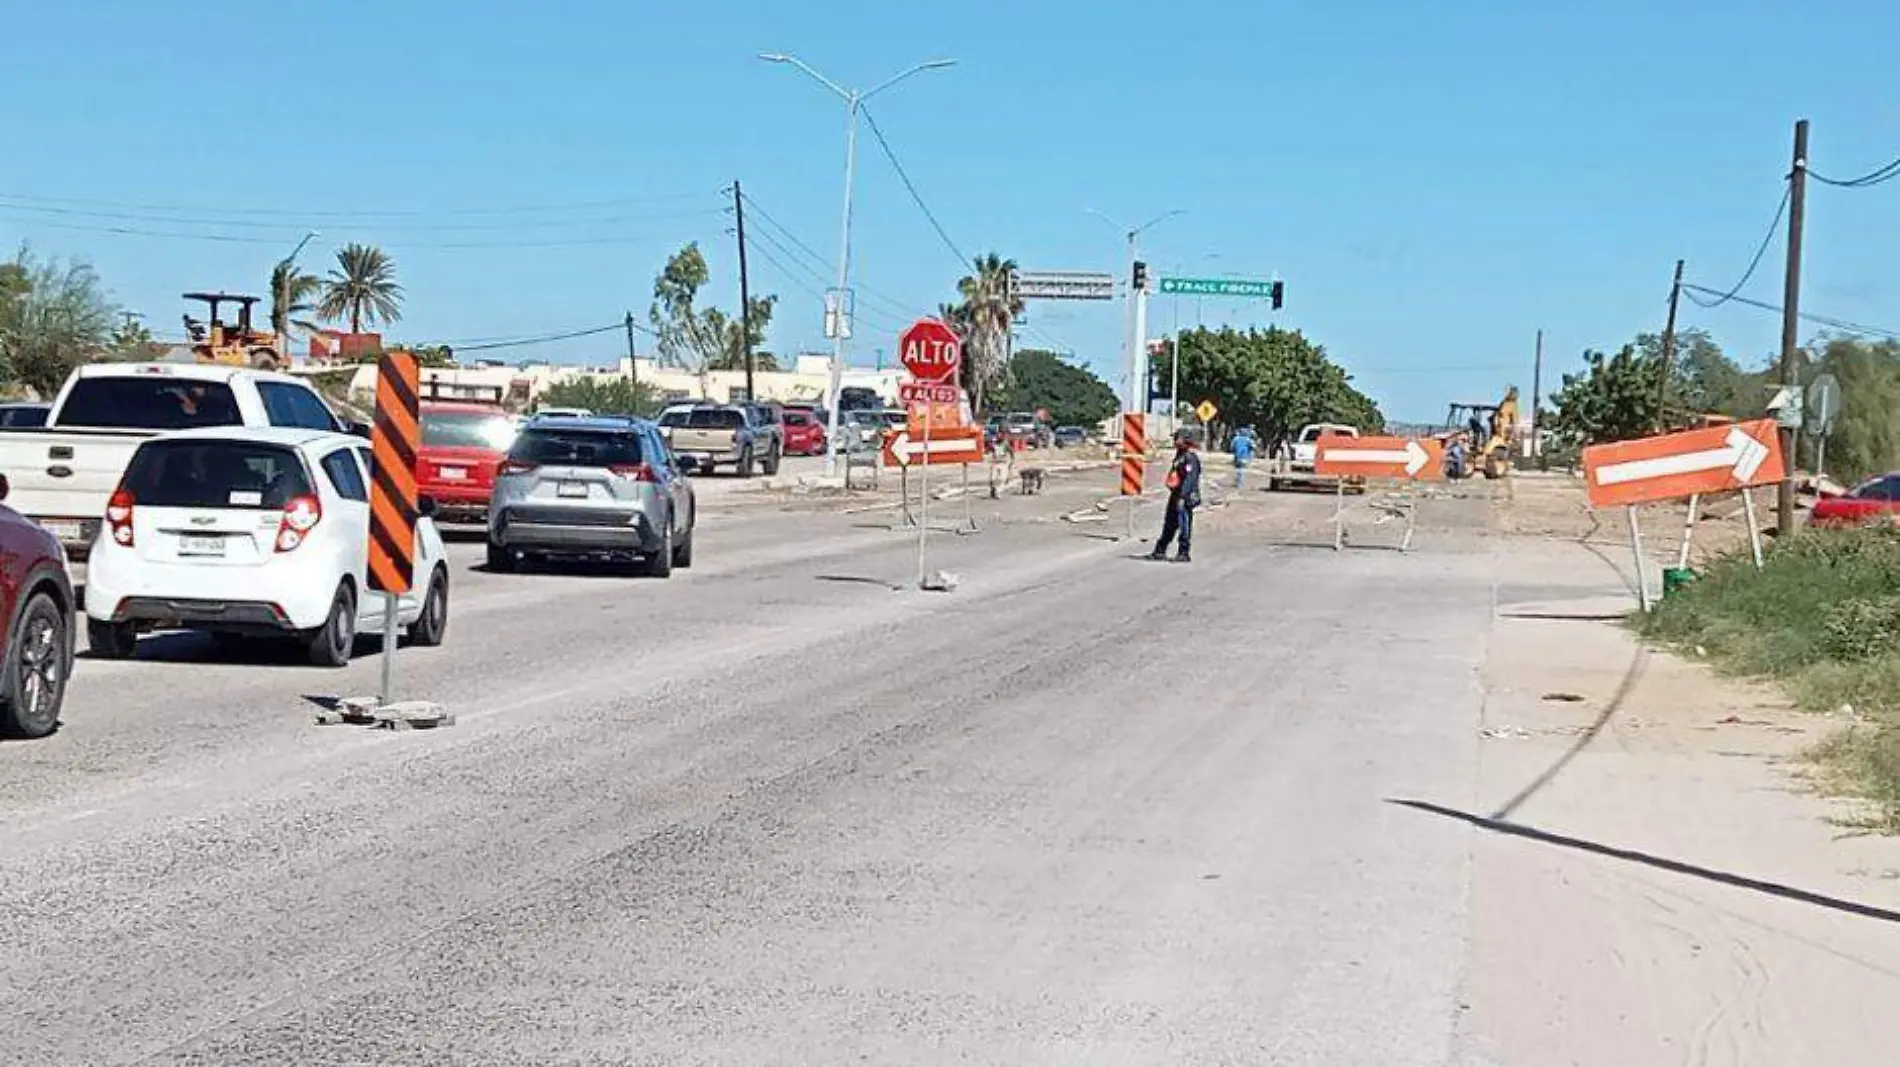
x=1339 y=514
x=390 y=615
x=1636 y=547
x=1688 y=530
x=969 y=507
x=1754 y=525
x=923 y=499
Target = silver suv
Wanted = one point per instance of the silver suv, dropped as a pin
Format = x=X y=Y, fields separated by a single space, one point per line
x=591 y=486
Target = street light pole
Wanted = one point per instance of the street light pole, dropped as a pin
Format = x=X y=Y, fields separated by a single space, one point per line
x=840 y=320
x=1135 y=399
x=284 y=297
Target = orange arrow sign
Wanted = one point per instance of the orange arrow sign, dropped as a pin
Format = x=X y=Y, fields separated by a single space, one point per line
x=1405 y=458
x=946 y=447
x=1715 y=459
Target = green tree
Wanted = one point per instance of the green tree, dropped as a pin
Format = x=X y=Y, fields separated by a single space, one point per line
x=1614 y=398
x=604 y=396
x=731 y=335
x=362 y=289
x=1273 y=380
x=53 y=317
x=293 y=296
x=1703 y=379
x=984 y=318
x=1040 y=379
x=132 y=342
x=703 y=339
x=1865 y=439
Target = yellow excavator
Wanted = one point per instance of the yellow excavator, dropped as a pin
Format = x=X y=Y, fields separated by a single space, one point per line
x=1489 y=432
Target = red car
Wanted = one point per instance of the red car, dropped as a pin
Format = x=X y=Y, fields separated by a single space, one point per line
x=1874 y=500
x=804 y=434
x=462 y=445
x=37 y=596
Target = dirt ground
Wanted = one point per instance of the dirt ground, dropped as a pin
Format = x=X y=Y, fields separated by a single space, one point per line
x=1654 y=850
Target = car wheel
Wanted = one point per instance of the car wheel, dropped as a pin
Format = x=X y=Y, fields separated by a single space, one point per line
x=433 y=624
x=772 y=460
x=660 y=563
x=36 y=668
x=683 y=551
x=331 y=644
x=501 y=559
x=111 y=640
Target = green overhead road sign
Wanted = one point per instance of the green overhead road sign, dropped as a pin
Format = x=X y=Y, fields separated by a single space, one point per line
x=1219 y=287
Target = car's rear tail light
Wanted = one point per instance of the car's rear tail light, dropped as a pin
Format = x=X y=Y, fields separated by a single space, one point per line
x=639 y=472
x=301 y=515
x=515 y=466
x=119 y=516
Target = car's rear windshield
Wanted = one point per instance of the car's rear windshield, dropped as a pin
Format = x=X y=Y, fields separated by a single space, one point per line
x=149 y=402
x=467 y=429
x=215 y=474
x=797 y=418
x=705 y=419
x=577 y=448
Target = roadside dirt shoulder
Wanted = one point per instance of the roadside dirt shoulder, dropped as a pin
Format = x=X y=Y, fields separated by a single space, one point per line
x=1653 y=881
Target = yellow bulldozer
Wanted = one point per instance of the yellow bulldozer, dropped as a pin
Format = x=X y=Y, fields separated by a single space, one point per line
x=1489 y=432
x=239 y=344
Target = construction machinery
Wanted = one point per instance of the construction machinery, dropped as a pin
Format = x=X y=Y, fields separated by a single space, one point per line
x=1489 y=432
x=238 y=344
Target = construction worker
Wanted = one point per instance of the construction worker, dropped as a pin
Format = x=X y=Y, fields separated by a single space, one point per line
x=1184 y=495
x=1243 y=454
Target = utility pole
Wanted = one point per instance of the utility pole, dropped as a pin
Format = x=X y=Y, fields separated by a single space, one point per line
x=1537 y=395
x=1791 y=318
x=633 y=366
x=1668 y=349
x=745 y=294
x=1174 y=373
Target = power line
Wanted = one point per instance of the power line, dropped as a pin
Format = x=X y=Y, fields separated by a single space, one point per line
x=868 y=295
x=302 y=213
x=1761 y=250
x=1884 y=173
x=289 y=236
x=524 y=342
x=816 y=257
x=1844 y=325
x=963 y=261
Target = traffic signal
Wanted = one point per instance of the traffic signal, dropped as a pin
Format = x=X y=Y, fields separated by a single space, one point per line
x=1141 y=276
x=1279 y=293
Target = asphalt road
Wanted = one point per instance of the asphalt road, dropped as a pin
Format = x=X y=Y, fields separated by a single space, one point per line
x=784 y=808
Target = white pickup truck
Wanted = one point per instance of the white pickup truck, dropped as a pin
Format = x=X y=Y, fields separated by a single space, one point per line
x=62 y=474
x=1292 y=463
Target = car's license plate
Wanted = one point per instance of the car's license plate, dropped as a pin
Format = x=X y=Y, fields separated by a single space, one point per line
x=65 y=531
x=572 y=489
x=454 y=474
x=200 y=545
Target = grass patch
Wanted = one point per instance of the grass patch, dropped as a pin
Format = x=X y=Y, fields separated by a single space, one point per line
x=1822 y=616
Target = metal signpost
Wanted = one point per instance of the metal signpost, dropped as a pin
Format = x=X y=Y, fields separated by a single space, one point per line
x=932 y=353
x=1823 y=407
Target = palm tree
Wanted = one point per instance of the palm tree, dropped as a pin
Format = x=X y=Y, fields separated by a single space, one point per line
x=363 y=289
x=292 y=294
x=990 y=310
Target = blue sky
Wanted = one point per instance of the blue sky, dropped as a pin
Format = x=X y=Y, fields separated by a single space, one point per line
x=1434 y=182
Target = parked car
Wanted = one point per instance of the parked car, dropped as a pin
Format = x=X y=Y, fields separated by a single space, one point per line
x=24 y=415
x=588 y=487
x=804 y=434
x=860 y=430
x=462 y=446
x=252 y=531
x=37 y=597
x=560 y=412
x=1874 y=500
x=720 y=434
x=63 y=473
x=768 y=423
x=1070 y=436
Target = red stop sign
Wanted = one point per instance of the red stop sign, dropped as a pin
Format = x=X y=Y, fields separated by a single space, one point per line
x=930 y=351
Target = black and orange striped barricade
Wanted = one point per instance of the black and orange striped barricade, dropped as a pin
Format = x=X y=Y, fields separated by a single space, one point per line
x=394 y=439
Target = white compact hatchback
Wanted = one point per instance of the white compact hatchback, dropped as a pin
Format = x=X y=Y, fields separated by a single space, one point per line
x=252 y=531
